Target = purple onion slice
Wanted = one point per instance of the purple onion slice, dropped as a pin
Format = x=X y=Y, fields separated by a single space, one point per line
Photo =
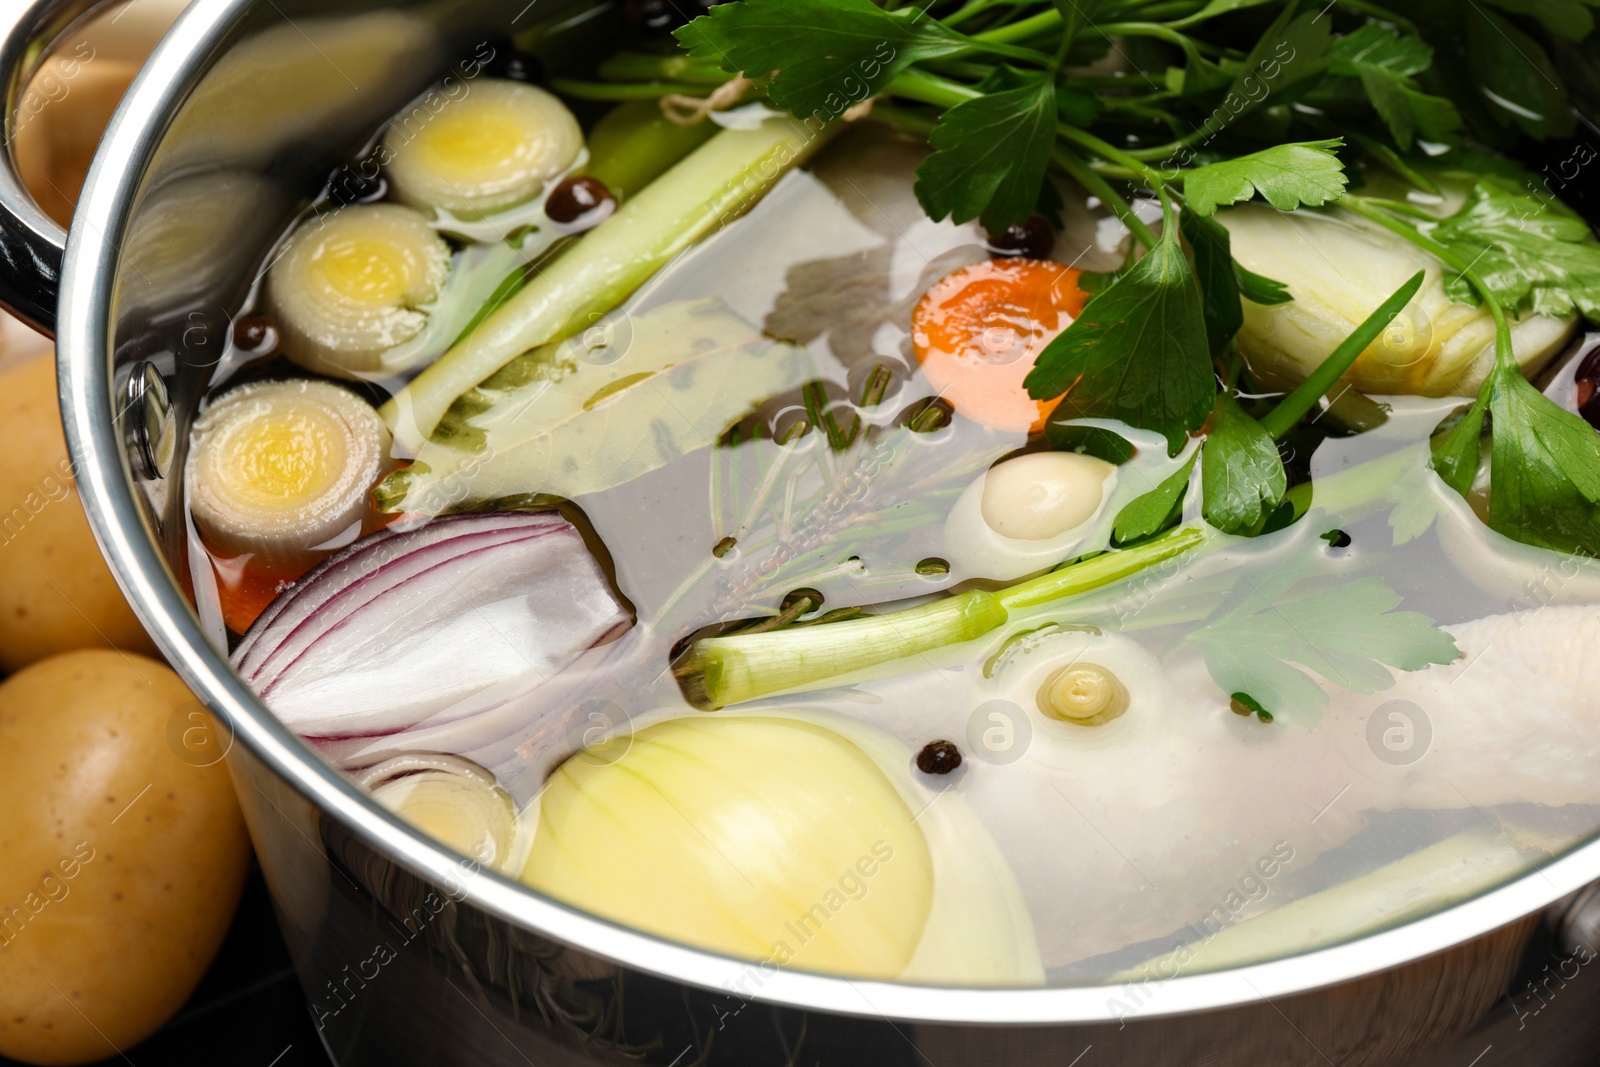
x=407 y=627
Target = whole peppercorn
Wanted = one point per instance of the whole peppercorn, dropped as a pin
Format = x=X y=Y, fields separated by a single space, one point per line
x=1033 y=239
x=1587 y=379
x=938 y=757
x=514 y=64
x=654 y=18
x=357 y=183
x=255 y=335
x=577 y=197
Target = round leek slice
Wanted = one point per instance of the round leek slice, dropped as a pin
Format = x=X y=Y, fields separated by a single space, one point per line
x=495 y=147
x=282 y=468
x=453 y=800
x=353 y=284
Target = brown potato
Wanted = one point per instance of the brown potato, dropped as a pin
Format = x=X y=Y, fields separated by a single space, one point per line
x=121 y=862
x=56 y=592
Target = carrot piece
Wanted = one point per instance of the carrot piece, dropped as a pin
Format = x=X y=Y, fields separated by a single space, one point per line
x=977 y=331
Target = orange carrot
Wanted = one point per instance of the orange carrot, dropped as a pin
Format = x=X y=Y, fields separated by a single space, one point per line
x=978 y=330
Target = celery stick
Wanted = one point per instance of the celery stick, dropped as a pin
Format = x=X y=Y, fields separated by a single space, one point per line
x=635 y=143
x=716 y=183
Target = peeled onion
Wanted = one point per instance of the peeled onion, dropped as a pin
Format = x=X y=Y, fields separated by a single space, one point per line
x=793 y=840
x=1338 y=269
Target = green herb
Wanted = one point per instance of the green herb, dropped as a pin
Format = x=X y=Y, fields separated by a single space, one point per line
x=1545 y=461
x=1571 y=19
x=1260 y=643
x=1285 y=175
x=1245 y=704
x=1216 y=271
x=990 y=156
x=1241 y=472
x=1535 y=255
x=1304 y=397
x=1154 y=511
x=1545 y=468
x=1384 y=62
x=1137 y=353
x=829 y=53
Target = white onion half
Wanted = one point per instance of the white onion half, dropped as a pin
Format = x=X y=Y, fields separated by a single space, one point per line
x=796 y=840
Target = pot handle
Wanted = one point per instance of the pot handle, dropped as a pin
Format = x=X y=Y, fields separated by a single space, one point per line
x=31 y=243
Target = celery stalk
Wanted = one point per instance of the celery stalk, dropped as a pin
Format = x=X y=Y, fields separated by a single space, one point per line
x=712 y=186
x=727 y=670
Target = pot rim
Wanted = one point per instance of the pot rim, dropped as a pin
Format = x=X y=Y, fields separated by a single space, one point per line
x=105 y=485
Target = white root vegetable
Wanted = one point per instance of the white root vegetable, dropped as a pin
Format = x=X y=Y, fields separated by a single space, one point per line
x=1338 y=268
x=353 y=284
x=283 y=468
x=493 y=147
x=783 y=840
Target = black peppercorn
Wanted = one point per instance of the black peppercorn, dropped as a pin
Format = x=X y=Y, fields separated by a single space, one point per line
x=357 y=183
x=577 y=197
x=514 y=65
x=1033 y=239
x=1587 y=380
x=938 y=757
x=653 y=18
x=255 y=335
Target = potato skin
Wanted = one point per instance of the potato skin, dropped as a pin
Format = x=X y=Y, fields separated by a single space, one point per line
x=56 y=592
x=120 y=863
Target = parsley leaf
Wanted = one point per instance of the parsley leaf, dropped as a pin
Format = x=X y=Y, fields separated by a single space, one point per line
x=829 y=54
x=1260 y=290
x=1383 y=61
x=1151 y=512
x=1532 y=254
x=1571 y=19
x=1241 y=472
x=1219 y=285
x=1455 y=455
x=990 y=155
x=1260 y=643
x=1223 y=280
x=1544 y=468
x=1293 y=50
x=1513 y=75
x=1137 y=353
x=1287 y=175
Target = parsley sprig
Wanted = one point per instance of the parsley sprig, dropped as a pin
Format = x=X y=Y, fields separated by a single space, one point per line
x=1004 y=92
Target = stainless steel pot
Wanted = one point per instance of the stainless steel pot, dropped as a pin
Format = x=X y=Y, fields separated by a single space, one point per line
x=406 y=954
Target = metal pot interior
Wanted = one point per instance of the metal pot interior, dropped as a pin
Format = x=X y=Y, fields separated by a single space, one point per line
x=232 y=127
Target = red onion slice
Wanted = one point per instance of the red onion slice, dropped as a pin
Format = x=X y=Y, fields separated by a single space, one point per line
x=407 y=627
